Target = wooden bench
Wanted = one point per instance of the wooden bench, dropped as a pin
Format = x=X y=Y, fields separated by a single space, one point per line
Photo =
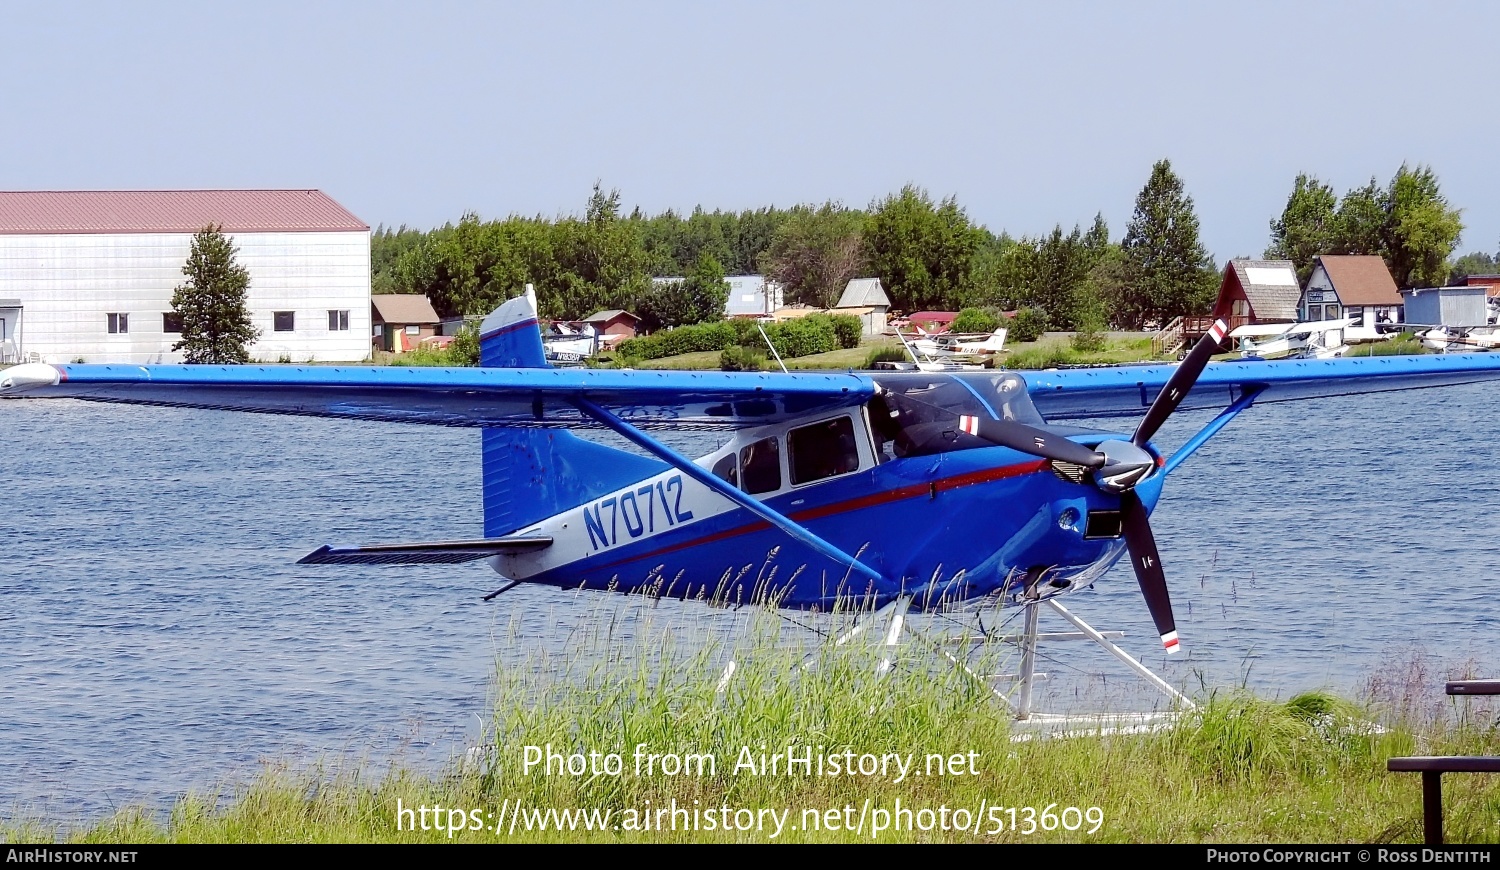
x=1432 y=767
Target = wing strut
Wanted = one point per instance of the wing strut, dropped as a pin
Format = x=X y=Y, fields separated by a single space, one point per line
x=702 y=475
x=1246 y=399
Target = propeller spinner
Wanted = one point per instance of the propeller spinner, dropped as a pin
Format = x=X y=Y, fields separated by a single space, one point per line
x=1118 y=466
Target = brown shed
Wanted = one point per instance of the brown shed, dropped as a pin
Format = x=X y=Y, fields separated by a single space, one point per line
x=613 y=325
x=1490 y=281
x=1258 y=291
x=401 y=321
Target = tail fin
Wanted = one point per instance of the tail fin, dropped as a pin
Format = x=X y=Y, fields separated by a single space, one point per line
x=531 y=474
x=511 y=337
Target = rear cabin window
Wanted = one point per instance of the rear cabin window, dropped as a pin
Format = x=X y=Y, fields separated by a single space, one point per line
x=822 y=450
x=760 y=466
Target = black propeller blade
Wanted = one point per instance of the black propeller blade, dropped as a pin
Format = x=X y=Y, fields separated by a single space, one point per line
x=1146 y=561
x=1030 y=439
x=1179 y=384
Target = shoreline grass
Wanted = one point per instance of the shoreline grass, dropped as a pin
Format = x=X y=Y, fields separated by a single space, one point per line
x=1239 y=770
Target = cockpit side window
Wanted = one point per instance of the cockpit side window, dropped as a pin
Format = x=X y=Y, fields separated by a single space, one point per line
x=760 y=466
x=918 y=414
x=727 y=469
x=825 y=449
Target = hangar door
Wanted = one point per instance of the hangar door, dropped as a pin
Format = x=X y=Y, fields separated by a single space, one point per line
x=10 y=330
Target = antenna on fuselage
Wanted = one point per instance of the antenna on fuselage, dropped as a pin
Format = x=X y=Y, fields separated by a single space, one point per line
x=769 y=344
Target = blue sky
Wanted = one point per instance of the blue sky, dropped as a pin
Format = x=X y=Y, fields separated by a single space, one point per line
x=1030 y=114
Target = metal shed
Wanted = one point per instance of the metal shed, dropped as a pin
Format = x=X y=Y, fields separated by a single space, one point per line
x=1446 y=306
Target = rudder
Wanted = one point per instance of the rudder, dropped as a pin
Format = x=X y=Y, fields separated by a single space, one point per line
x=511 y=337
x=531 y=474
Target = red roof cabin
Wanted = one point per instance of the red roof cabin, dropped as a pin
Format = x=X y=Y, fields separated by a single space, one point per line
x=933 y=321
x=613 y=325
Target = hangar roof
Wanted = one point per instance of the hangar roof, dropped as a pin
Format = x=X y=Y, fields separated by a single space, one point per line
x=48 y=212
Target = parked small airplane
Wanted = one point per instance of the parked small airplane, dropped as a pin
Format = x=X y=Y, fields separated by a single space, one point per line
x=1464 y=339
x=927 y=490
x=950 y=344
x=926 y=358
x=1323 y=339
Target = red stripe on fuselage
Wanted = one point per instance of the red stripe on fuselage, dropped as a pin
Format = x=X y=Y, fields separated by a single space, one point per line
x=973 y=478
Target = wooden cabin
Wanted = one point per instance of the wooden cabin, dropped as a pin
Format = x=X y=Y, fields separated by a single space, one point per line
x=1252 y=291
x=400 y=321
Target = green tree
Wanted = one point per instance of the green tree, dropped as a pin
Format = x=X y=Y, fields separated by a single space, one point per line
x=1089 y=324
x=1360 y=221
x=387 y=246
x=815 y=252
x=1170 y=272
x=216 y=327
x=923 y=252
x=1421 y=230
x=601 y=262
x=1055 y=273
x=1475 y=263
x=699 y=298
x=1096 y=240
x=974 y=320
x=990 y=273
x=1062 y=266
x=1307 y=225
x=1408 y=223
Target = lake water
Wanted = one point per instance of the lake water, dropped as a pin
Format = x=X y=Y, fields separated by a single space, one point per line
x=158 y=636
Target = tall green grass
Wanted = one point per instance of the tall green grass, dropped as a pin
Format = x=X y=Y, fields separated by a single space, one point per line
x=1405 y=344
x=1238 y=769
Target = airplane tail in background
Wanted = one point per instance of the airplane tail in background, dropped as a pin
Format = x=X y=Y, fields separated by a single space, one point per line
x=511 y=337
x=531 y=474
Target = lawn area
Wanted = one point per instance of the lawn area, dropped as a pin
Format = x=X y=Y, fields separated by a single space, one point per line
x=1050 y=351
x=850 y=358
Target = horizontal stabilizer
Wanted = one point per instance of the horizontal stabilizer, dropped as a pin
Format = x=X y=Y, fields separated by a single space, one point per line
x=438 y=553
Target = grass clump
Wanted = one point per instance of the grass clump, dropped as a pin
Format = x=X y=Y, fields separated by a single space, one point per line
x=1405 y=344
x=1237 y=769
x=886 y=353
x=1093 y=350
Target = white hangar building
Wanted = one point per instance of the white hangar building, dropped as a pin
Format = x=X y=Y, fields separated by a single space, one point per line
x=89 y=274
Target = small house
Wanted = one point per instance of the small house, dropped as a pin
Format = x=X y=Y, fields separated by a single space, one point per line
x=933 y=321
x=865 y=298
x=1258 y=291
x=612 y=325
x=400 y=321
x=1355 y=285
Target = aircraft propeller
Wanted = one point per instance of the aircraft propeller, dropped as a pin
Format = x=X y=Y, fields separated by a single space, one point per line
x=1117 y=467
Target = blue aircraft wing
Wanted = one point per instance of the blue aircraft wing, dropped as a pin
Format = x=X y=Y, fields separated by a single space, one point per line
x=664 y=400
x=1125 y=391
x=456 y=396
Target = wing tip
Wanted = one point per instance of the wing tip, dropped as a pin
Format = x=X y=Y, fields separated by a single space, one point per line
x=29 y=376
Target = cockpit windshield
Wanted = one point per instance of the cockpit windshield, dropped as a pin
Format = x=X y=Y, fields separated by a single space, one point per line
x=918 y=413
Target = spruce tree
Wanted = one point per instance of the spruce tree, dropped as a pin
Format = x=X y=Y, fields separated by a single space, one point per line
x=1170 y=272
x=216 y=327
